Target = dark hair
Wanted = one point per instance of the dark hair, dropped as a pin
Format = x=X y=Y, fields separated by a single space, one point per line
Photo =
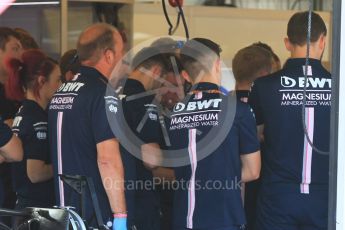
x=27 y=41
x=148 y=57
x=297 y=28
x=249 y=61
x=91 y=50
x=169 y=49
x=199 y=54
x=69 y=62
x=211 y=45
x=5 y=34
x=172 y=65
x=163 y=42
x=23 y=74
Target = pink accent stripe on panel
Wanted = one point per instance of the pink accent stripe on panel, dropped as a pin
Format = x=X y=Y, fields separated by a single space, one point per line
x=307 y=151
x=59 y=135
x=191 y=187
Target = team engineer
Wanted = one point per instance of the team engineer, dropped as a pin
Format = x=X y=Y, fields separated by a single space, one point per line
x=235 y=158
x=294 y=190
x=82 y=141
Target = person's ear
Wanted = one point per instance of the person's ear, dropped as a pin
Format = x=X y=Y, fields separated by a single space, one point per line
x=322 y=42
x=218 y=65
x=109 y=56
x=156 y=71
x=288 y=44
x=69 y=75
x=41 y=81
x=185 y=76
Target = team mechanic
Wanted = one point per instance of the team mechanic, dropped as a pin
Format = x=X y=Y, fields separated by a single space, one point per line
x=294 y=191
x=236 y=158
x=248 y=64
x=142 y=117
x=81 y=139
x=33 y=81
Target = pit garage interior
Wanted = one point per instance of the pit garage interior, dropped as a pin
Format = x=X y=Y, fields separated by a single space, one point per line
x=56 y=26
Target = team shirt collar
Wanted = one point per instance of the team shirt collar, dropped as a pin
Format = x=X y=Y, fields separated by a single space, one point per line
x=202 y=86
x=90 y=71
x=293 y=62
x=135 y=84
x=34 y=105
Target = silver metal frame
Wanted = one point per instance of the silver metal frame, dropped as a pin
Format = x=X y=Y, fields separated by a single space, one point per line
x=337 y=158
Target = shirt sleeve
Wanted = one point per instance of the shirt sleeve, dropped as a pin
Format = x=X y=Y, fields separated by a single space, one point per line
x=5 y=134
x=254 y=102
x=249 y=142
x=103 y=105
x=142 y=118
x=149 y=129
x=36 y=143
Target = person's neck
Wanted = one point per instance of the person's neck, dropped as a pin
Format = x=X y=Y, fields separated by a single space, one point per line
x=99 y=67
x=209 y=79
x=301 y=51
x=243 y=86
x=40 y=101
x=142 y=78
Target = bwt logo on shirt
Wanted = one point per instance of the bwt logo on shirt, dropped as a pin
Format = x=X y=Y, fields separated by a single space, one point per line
x=70 y=87
x=314 y=82
x=197 y=105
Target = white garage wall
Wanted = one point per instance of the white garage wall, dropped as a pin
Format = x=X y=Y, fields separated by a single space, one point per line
x=232 y=28
x=263 y=4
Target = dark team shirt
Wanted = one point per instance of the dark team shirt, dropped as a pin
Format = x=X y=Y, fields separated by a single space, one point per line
x=242 y=95
x=30 y=124
x=8 y=108
x=141 y=112
x=251 y=188
x=77 y=122
x=141 y=115
x=209 y=120
x=290 y=163
x=5 y=133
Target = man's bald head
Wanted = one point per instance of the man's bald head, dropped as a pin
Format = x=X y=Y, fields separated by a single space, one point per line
x=95 y=39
